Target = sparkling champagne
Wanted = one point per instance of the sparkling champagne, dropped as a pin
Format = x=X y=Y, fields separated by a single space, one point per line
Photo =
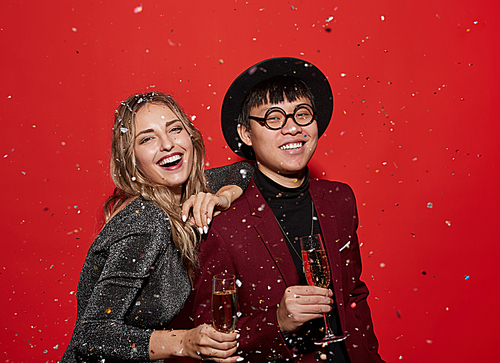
x=224 y=308
x=316 y=268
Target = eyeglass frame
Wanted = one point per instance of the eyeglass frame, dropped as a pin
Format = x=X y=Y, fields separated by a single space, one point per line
x=262 y=120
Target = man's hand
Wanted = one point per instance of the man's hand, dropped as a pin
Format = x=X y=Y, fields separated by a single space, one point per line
x=301 y=304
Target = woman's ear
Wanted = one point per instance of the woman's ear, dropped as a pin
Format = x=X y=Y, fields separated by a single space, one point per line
x=245 y=134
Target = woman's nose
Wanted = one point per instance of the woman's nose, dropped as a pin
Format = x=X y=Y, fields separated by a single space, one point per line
x=167 y=143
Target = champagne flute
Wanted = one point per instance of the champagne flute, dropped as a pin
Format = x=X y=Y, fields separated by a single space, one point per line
x=317 y=271
x=224 y=303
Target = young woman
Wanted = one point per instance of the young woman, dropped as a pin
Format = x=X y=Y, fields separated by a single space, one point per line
x=136 y=277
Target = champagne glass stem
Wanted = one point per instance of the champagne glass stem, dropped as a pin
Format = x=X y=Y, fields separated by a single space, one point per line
x=330 y=337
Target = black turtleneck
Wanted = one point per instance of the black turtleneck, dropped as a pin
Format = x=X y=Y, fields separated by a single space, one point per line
x=293 y=210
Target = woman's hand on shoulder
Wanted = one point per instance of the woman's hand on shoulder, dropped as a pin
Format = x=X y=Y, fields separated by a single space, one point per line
x=205 y=343
x=205 y=206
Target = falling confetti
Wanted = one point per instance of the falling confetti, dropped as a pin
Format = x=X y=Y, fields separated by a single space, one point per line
x=429 y=205
x=11 y=150
x=138 y=9
x=466 y=277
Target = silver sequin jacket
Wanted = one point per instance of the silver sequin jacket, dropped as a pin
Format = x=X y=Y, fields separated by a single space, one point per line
x=133 y=280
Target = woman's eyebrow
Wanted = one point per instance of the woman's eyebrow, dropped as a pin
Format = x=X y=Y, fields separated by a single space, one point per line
x=144 y=132
x=167 y=124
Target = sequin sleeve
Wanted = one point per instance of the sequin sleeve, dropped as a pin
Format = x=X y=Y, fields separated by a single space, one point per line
x=132 y=282
x=102 y=328
x=239 y=174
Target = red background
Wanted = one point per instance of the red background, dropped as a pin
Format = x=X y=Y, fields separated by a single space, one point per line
x=415 y=133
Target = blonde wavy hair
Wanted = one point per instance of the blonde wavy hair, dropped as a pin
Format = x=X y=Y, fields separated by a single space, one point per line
x=131 y=182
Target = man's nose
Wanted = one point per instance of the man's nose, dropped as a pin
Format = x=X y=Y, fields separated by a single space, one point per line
x=291 y=126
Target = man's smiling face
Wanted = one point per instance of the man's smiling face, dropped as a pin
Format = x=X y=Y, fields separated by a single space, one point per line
x=283 y=154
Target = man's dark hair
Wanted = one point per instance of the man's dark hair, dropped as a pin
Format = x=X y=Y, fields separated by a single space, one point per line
x=274 y=90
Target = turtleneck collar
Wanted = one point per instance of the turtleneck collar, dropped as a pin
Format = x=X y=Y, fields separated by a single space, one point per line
x=275 y=194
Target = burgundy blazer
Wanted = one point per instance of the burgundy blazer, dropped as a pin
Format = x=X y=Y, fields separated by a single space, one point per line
x=247 y=242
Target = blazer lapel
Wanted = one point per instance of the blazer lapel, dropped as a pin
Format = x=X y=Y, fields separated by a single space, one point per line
x=271 y=236
x=329 y=227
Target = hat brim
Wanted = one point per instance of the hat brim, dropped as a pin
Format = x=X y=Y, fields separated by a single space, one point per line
x=299 y=68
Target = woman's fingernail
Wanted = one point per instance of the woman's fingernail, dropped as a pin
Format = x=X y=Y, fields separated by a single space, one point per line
x=205 y=229
x=208 y=221
x=237 y=336
x=184 y=218
x=200 y=230
x=240 y=359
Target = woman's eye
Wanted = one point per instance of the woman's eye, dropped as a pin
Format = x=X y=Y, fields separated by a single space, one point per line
x=176 y=130
x=146 y=139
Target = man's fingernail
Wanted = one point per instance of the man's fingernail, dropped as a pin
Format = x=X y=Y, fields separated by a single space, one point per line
x=184 y=218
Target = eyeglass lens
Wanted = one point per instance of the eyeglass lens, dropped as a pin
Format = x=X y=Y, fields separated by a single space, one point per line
x=276 y=117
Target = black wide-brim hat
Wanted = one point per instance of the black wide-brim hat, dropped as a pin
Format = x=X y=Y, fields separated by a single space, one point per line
x=269 y=68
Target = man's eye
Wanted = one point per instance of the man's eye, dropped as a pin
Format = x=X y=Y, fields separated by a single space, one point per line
x=274 y=117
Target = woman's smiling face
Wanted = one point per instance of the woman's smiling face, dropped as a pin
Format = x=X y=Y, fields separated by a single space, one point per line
x=163 y=147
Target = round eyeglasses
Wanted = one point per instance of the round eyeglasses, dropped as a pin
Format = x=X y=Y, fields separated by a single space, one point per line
x=276 y=118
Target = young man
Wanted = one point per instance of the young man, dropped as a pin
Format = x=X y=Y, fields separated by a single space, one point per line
x=274 y=112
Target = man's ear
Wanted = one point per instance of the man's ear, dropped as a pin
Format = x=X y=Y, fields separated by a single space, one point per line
x=245 y=133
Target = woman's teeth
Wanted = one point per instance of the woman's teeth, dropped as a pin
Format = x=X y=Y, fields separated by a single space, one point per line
x=170 y=160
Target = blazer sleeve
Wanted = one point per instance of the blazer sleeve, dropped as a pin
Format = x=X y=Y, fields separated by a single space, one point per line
x=260 y=337
x=239 y=174
x=101 y=329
